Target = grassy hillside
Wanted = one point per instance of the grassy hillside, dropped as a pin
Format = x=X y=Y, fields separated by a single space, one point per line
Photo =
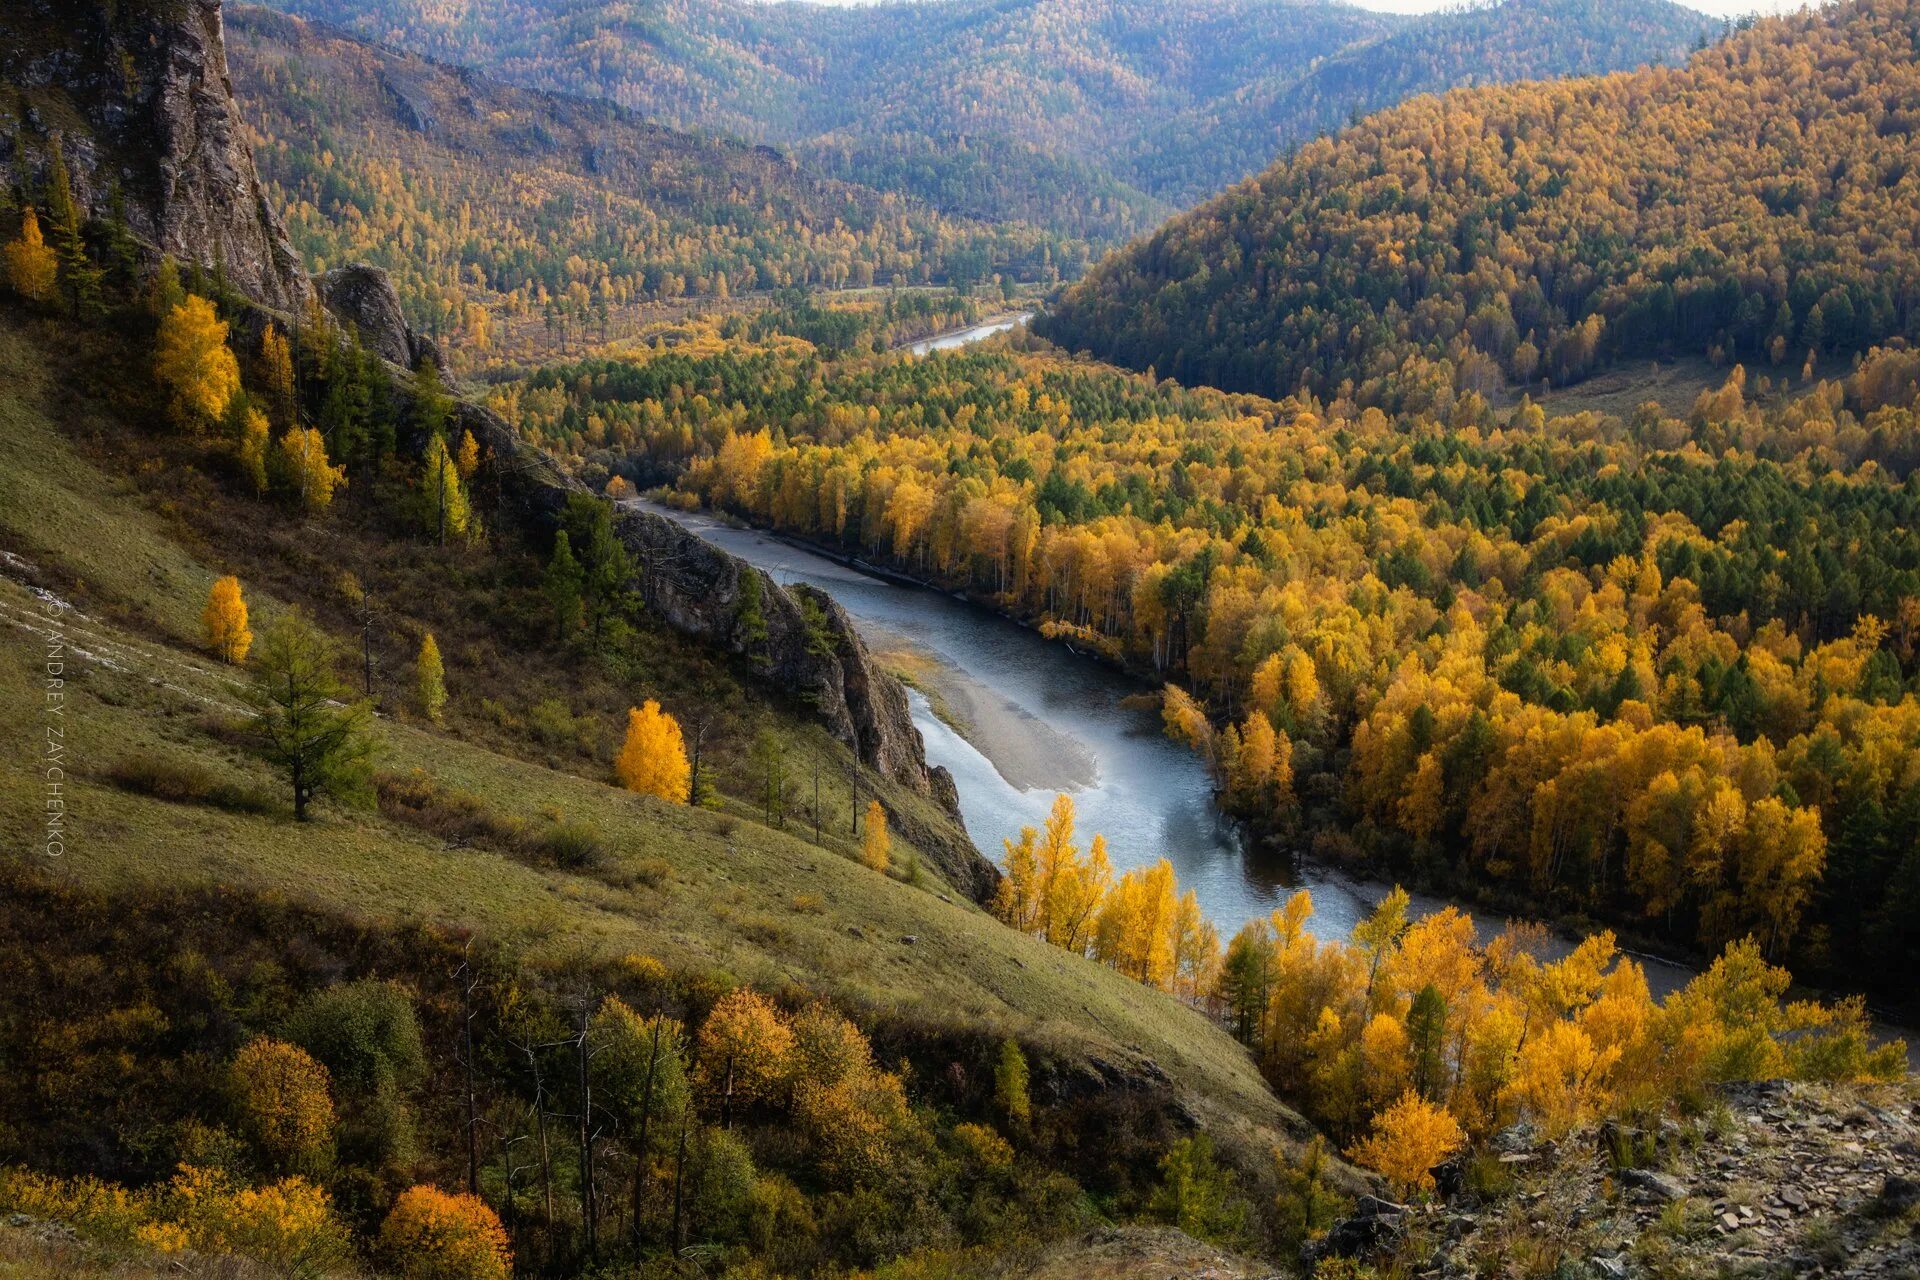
x=1538 y=231
x=121 y=523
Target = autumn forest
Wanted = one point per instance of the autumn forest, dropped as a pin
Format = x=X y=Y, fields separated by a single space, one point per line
x=1002 y=639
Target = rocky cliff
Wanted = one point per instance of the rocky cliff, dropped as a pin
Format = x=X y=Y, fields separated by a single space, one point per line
x=798 y=639
x=136 y=96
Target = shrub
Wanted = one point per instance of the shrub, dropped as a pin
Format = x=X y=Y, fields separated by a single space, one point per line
x=571 y=846
x=182 y=782
x=365 y=1033
x=96 y=1209
x=289 y=1225
x=983 y=1147
x=430 y=1235
x=282 y=1097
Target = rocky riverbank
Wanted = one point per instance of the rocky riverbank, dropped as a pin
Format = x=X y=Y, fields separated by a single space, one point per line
x=1772 y=1179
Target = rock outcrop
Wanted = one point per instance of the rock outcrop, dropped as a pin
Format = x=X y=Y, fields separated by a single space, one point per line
x=799 y=640
x=137 y=97
x=1780 y=1178
x=365 y=298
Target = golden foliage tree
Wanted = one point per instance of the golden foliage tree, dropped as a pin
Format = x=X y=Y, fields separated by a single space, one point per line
x=431 y=1235
x=1409 y=1139
x=276 y=368
x=430 y=679
x=285 y=1105
x=746 y=1043
x=194 y=365
x=653 y=760
x=311 y=477
x=32 y=269
x=876 y=846
x=225 y=621
x=444 y=507
x=250 y=449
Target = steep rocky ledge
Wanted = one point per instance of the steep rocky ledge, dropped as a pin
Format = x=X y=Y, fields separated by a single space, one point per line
x=704 y=592
x=137 y=96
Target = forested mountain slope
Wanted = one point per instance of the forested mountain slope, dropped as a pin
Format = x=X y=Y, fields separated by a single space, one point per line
x=1191 y=156
x=1758 y=204
x=1053 y=111
x=514 y=220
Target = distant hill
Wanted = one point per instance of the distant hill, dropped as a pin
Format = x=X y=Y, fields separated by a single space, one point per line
x=1089 y=116
x=1758 y=204
x=1195 y=154
x=510 y=217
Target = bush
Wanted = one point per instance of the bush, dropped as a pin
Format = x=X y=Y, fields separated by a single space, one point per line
x=571 y=846
x=431 y=1235
x=182 y=782
x=289 y=1225
x=96 y=1209
x=365 y=1033
x=283 y=1100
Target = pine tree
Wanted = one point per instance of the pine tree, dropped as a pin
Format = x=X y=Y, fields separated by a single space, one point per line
x=77 y=268
x=653 y=760
x=876 y=847
x=429 y=681
x=322 y=743
x=193 y=363
x=32 y=268
x=432 y=406
x=225 y=621
x=565 y=583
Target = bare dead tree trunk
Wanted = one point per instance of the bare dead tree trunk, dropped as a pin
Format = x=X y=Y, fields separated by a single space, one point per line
x=641 y=1160
x=587 y=1206
x=468 y=984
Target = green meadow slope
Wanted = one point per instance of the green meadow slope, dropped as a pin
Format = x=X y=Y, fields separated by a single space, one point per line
x=101 y=512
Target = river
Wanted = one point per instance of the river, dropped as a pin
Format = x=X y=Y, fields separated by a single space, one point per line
x=965 y=337
x=1041 y=719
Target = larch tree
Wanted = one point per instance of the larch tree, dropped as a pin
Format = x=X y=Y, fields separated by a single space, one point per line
x=321 y=743
x=310 y=476
x=876 y=846
x=653 y=760
x=32 y=269
x=430 y=679
x=194 y=365
x=1409 y=1139
x=276 y=369
x=225 y=621
x=467 y=458
x=444 y=508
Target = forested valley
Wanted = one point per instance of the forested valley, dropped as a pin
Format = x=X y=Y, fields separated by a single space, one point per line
x=465 y=817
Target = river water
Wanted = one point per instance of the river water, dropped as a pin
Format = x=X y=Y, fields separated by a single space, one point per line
x=964 y=337
x=1043 y=719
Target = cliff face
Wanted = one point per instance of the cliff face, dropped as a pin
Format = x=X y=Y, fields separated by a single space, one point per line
x=138 y=97
x=799 y=639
